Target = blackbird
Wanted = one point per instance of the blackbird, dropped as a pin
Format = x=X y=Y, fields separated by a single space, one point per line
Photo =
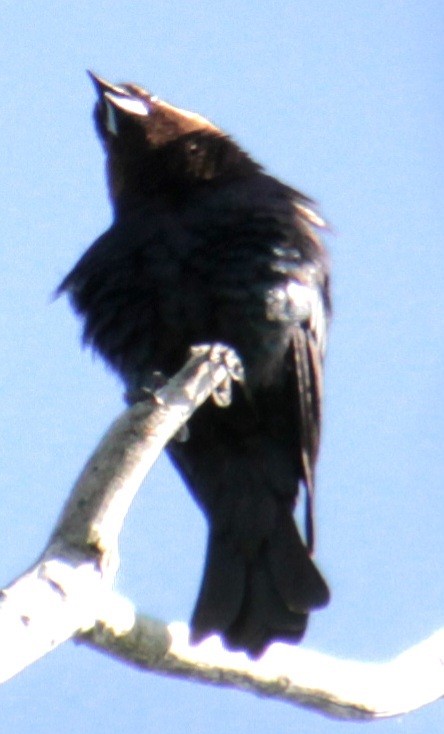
x=206 y=247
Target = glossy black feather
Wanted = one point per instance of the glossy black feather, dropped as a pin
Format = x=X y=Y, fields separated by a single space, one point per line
x=205 y=247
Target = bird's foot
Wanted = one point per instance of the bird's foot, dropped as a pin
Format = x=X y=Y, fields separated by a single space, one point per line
x=218 y=354
x=148 y=393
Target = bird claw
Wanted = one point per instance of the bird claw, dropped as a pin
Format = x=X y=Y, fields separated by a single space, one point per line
x=182 y=435
x=218 y=354
x=138 y=395
x=147 y=393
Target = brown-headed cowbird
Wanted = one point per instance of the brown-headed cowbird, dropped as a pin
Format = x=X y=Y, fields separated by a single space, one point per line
x=206 y=247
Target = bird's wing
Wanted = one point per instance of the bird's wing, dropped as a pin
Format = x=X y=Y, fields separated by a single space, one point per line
x=302 y=301
x=308 y=388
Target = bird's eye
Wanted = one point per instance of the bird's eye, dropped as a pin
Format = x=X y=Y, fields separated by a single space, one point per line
x=193 y=148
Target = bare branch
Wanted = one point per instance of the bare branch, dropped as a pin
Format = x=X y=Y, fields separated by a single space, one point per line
x=96 y=509
x=342 y=689
x=68 y=589
x=68 y=592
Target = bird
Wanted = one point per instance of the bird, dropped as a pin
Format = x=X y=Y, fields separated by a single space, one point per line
x=206 y=247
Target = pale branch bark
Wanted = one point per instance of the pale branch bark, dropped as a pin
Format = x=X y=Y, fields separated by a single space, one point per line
x=68 y=589
x=341 y=689
x=68 y=592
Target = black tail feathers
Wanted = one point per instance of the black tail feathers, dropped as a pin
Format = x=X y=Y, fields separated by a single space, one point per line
x=252 y=602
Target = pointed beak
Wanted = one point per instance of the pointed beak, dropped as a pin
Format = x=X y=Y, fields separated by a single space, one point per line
x=115 y=100
x=102 y=86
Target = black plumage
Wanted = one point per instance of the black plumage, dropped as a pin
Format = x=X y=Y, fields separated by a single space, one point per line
x=206 y=247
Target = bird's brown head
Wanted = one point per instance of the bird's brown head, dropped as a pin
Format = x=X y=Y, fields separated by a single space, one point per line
x=150 y=143
x=126 y=107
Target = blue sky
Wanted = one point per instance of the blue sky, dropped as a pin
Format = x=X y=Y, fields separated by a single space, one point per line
x=344 y=101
